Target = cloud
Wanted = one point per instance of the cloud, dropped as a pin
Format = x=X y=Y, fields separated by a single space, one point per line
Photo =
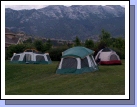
x=20 y=7
x=123 y=5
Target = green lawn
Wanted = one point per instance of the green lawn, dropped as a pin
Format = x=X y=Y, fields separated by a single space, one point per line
x=41 y=79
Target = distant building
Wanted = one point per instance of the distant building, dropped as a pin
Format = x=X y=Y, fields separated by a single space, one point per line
x=11 y=38
x=21 y=34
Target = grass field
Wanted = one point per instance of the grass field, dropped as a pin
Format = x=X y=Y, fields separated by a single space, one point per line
x=40 y=79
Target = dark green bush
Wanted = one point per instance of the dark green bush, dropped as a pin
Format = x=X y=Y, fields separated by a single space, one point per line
x=14 y=49
x=56 y=53
x=121 y=52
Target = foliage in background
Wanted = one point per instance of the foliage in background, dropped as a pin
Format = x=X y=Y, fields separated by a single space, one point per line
x=38 y=45
x=77 y=41
x=106 y=40
x=105 y=37
x=89 y=44
x=29 y=40
x=48 y=45
x=56 y=53
x=14 y=49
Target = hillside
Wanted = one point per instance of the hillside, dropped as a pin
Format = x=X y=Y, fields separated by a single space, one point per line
x=63 y=22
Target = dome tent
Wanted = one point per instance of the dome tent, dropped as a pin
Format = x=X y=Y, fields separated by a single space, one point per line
x=77 y=60
x=31 y=56
x=107 y=56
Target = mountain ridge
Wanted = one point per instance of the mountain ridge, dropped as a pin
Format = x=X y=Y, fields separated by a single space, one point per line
x=58 y=21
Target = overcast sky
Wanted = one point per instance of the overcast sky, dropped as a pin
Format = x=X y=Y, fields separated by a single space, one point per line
x=20 y=7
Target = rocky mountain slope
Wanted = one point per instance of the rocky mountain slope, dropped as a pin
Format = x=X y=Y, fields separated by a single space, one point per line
x=63 y=22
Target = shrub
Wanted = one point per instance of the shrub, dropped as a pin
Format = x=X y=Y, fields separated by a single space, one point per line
x=121 y=52
x=14 y=49
x=56 y=53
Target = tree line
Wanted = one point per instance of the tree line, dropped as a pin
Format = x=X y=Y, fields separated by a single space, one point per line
x=105 y=40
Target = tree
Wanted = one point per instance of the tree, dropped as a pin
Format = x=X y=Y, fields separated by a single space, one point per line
x=29 y=40
x=70 y=45
x=56 y=53
x=101 y=45
x=119 y=43
x=89 y=44
x=14 y=49
x=77 y=42
x=105 y=37
x=29 y=46
x=38 y=45
x=49 y=45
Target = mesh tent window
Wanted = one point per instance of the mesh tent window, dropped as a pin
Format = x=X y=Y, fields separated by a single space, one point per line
x=16 y=58
x=27 y=57
x=84 y=62
x=113 y=57
x=48 y=57
x=106 y=50
x=40 y=58
x=69 y=63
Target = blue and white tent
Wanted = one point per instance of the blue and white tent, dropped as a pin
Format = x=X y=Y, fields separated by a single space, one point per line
x=31 y=56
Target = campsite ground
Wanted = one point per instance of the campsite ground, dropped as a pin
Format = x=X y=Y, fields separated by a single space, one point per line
x=40 y=79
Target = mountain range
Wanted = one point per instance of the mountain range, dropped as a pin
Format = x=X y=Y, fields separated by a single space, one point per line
x=61 y=22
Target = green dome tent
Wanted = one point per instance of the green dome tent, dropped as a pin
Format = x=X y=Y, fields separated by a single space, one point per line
x=77 y=60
